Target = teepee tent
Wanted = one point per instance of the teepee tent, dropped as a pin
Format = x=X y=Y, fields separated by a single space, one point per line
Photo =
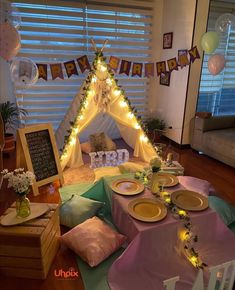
x=100 y=93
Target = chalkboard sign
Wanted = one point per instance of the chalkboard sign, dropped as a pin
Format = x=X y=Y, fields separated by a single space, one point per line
x=41 y=152
x=37 y=151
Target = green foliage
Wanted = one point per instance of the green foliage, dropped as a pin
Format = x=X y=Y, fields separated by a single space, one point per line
x=154 y=123
x=10 y=114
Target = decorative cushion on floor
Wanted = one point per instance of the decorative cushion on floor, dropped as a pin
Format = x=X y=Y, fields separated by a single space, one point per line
x=106 y=171
x=86 y=147
x=110 y=144
x=93 y=241
x=78 y=209
x=224 y=209
x=101 y=142
x=98 y=142
x=130 y=167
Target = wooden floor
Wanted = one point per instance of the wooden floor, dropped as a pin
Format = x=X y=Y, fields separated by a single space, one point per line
x=221 y=176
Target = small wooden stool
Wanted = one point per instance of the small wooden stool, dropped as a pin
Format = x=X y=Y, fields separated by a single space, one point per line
x=28 y=249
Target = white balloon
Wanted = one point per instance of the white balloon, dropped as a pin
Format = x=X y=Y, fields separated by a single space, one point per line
x=24 y=72
x=9 y=13
x=223 y=22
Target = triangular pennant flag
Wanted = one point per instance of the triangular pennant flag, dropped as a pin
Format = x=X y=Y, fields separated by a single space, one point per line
x=161 y=67
x=125 y=67
x=71 y=68
x=56 y=71
x=149 y=69
x=172 y=64
x=114 y=63
x=137 y=69
x=83 y=63
x=194 y=54
x=42 y=71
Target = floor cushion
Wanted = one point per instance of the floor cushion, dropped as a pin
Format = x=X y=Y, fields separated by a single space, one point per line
x=130 y=167
x=78 y=209
x=224 y=209
x=93 y=241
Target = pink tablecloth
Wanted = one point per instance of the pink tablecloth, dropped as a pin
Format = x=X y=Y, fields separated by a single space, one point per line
x=151 y=257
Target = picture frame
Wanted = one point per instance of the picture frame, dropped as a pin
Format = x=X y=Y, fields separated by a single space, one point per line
x=167 y=40
x=165 y=79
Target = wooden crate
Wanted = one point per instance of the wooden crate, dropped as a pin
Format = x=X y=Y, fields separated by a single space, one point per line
x=27 y=250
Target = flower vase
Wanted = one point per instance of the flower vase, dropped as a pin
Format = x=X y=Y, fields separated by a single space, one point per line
x=22 y=206
x=154 y=184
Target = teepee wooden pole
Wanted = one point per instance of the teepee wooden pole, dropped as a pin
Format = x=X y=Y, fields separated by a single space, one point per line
x=105 y=42
x=93 y=44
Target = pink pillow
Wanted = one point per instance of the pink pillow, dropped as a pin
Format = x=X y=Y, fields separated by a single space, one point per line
x=93 y=240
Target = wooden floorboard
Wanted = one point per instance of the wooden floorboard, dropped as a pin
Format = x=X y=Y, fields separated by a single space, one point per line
x=221 y=176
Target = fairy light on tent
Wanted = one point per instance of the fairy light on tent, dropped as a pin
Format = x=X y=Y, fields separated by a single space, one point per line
x=94 y=79
x=123 y=104
x=130 y=115
x=143 y=138
x=117 y=92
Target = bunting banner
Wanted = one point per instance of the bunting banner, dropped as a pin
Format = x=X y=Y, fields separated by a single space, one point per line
x=121 y=66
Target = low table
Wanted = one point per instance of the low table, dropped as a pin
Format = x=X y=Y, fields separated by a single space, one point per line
x=28 y=249
x=151 y=256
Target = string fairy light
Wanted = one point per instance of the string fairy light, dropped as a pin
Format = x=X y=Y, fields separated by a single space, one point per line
x=100 y=65
x=186 y=235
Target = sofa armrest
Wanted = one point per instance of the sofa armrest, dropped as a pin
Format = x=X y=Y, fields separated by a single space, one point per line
x=214 y=123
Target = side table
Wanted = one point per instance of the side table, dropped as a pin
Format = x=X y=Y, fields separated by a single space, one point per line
x=28 y=249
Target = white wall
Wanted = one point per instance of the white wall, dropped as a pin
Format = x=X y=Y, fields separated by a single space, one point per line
x=165 y=102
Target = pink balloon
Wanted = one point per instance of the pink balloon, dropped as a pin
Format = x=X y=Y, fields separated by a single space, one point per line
x=216 y=64
x=9 y=41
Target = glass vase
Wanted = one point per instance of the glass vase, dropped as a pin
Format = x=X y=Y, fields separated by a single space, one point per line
x=22 y=206
x=154 y=183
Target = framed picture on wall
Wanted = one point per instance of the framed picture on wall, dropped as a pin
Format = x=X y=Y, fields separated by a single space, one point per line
x=165 y=79
x=167 y=40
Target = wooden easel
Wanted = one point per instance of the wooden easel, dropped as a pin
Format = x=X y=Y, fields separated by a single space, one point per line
x=2 y=143
x=33 y=145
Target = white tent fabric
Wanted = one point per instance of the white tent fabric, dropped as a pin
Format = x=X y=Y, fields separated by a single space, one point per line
x=103 y=97
x=101 y=123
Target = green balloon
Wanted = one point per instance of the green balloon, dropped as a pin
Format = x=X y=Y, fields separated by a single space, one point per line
x=210 y=41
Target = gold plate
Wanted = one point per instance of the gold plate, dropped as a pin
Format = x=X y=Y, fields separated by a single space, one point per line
x=147 y=209
x=189 y=200
x=127 y=186
x=166 y=179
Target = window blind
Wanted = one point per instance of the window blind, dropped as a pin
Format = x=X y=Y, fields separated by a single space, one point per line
x=59 y=31
x=216 y=93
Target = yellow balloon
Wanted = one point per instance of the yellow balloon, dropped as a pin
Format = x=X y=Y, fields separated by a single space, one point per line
x=210 y=41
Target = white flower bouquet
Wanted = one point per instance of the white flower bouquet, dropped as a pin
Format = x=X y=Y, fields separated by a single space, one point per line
x=19 y=180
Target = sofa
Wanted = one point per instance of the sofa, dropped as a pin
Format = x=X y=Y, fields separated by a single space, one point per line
x=215 y=137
